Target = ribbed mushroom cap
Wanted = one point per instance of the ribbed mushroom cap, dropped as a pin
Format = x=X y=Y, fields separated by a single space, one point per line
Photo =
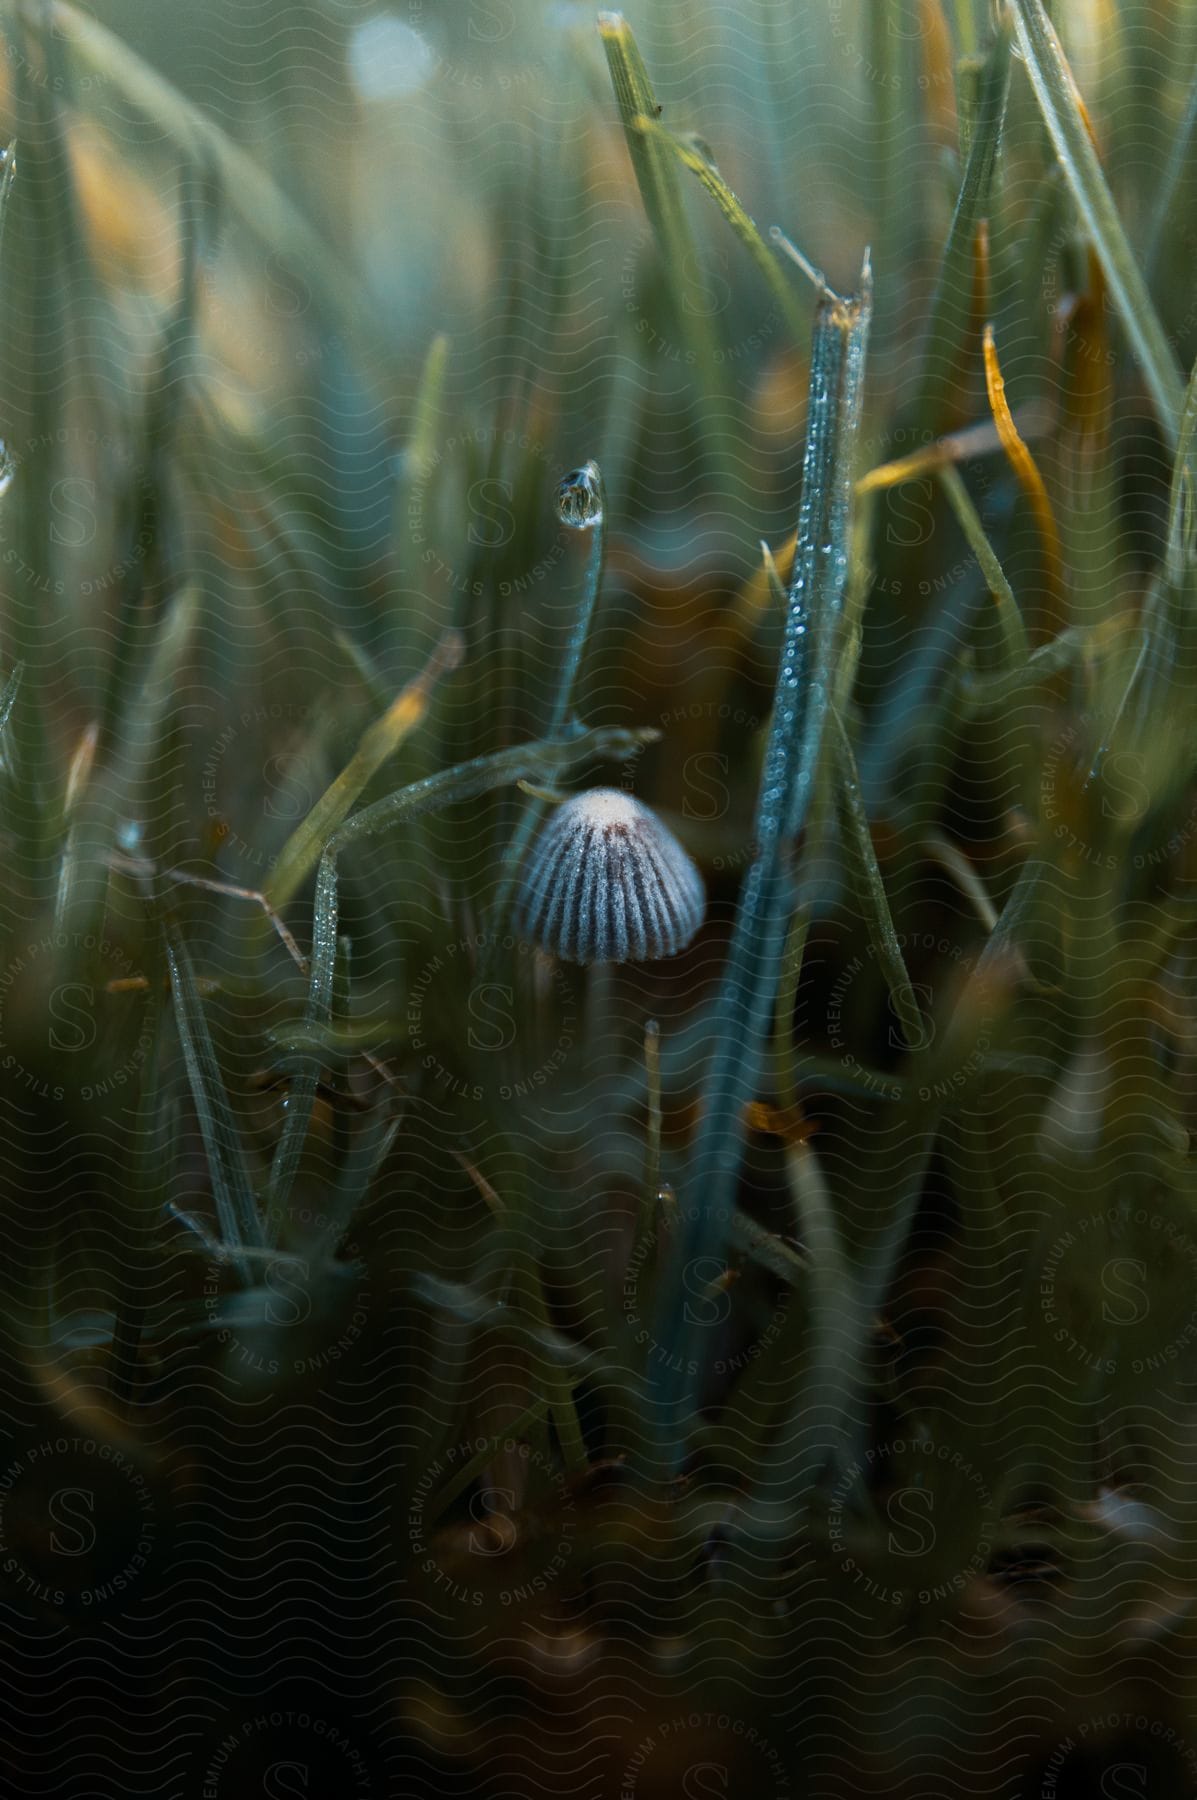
x=607 y=882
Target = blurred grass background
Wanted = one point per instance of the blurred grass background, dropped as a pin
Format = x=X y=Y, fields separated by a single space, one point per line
x=307 y=309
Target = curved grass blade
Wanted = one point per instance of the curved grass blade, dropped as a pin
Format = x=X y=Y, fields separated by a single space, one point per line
x=741 y=222
x=1026 y=469
x=1064 y=116
x=1015 y=643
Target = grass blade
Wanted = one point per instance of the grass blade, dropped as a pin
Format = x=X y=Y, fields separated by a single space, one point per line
x=232 y=1189
x=301 y=852
x=1169 y=610
x=1015 y=642
x=1060 y=104
x=951 y=305
x=426 y=414
x=563 y=713
x=744 y=1010
x=871 y=889
x=1025 y=467
x=7 y=701
x=657 y=177
x=741 y=222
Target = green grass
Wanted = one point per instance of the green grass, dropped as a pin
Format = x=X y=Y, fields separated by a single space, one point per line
x=772 y=1368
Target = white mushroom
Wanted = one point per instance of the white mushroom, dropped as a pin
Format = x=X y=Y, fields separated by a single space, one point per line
x=606 y=881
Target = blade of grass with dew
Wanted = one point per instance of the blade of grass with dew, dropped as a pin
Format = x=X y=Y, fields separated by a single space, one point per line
x=232 y=1189
x=563 y=714
x=823 y=559
x=303 y=848
x=1063 y=113
x=744 y=1011
x=951 y=304
x=742 y=223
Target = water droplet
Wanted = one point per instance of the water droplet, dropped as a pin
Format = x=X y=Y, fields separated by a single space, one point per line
x=580 y=498
x=8 y=469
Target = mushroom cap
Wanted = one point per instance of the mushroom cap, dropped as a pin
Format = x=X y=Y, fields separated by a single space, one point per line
x=606 y=881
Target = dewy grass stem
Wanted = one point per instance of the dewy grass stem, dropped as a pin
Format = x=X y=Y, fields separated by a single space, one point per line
x=744 y=1009
x=581 y=504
